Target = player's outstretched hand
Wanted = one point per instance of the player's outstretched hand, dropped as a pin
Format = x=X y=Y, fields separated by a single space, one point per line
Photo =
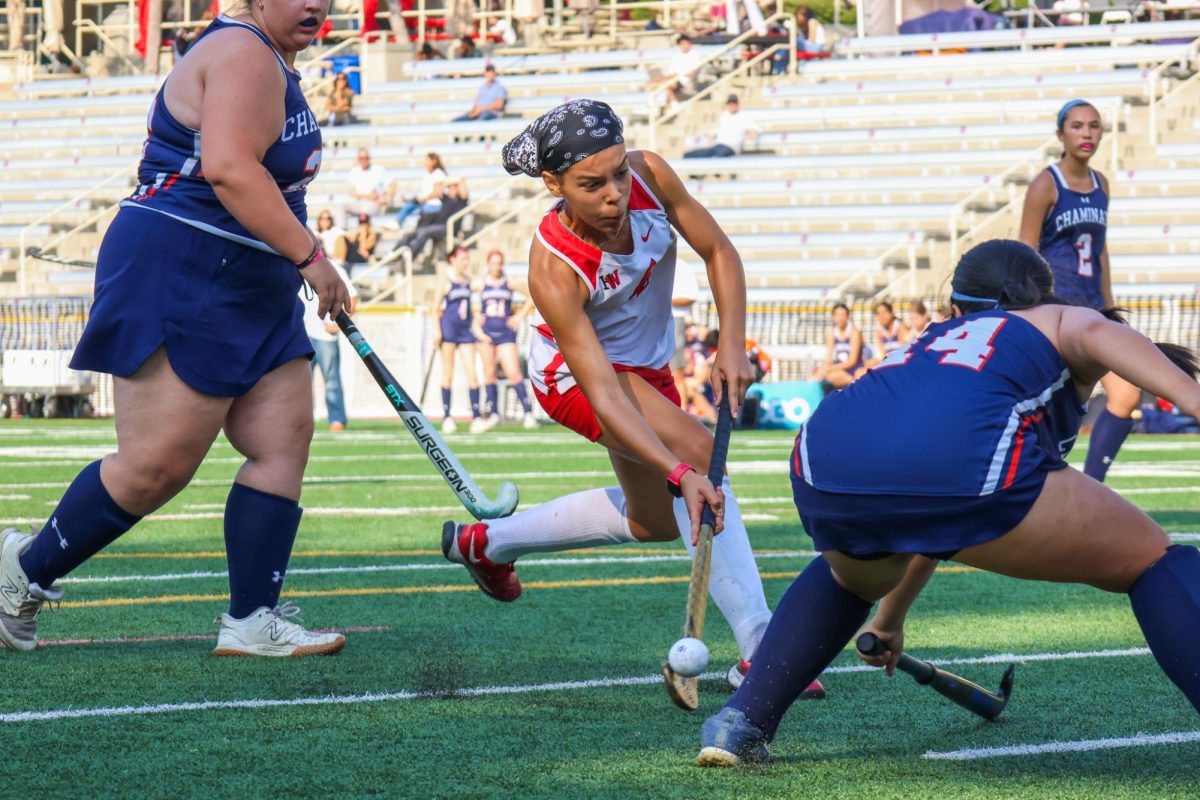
x=698 y=490
x=895 y=642
x=733 y=368
x=332 y=294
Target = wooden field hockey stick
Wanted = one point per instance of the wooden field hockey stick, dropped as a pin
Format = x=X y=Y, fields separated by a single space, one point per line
x=428 y=373
x=685 y=692
x=418 y=425
x=961 y=691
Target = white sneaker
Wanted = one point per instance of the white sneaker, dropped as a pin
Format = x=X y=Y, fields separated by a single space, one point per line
x=530 y=423
x=479 y=425
x=20 y=600
x=270 y=632
x=448 y=426
x=492 y=420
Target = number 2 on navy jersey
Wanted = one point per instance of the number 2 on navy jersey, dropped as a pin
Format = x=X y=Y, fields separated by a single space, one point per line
x=1083 y=246
x=967 y=345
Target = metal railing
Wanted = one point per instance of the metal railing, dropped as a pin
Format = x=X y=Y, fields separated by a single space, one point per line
x=473 y=206
x=382 y=268
x=657 y=119
x=882 y=263
x=1156 y=76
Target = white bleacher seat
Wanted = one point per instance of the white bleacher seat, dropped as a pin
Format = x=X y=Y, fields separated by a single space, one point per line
x=1157 y=264
x=515 y=84
x=76 y=106
x=915 y=113
x=751 y=164
x=530 y=106
x=1181 y=152
x=1123 y=81
x=1020 y=37
x=552 y=62
x=90 y=86
x=903 y=136
x=10 y=235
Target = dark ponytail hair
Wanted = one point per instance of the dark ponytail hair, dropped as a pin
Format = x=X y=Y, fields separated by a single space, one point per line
x=1011 y=275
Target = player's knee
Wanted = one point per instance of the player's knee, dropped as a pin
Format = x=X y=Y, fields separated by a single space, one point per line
x=647 y=525
x=1122 y=573
x=148 y=483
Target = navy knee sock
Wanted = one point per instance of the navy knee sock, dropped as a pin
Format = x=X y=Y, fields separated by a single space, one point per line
x=85 y=521
x=493 y=398
x=523 y=397
x=446 y=402
x=260 y=529
x=474 y=395
x=1108 y=434
x=1166 y=602
x=812 y=623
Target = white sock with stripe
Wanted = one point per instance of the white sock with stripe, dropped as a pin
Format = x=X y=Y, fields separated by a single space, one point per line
x=594 y=518
x=733 y=581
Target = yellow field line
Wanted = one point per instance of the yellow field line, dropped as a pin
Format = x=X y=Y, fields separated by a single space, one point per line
x=395 y=590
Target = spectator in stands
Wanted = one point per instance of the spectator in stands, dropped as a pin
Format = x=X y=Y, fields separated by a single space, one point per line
x=679 y=78
x=371 y=190
x=890 y=334
x=431 y=227
x=585 y=14
x=810 y=40
x=466 y=48
x=500 y=28
x=361 y=244
x=490 y=100
x=428 y=53
x=684 y=293
x=918 y=319
x=340 y=102
x=734 y=130
x=333 y=238
x=1079 y=7
x=323 y=334
x=433 y=184
x=843 y=351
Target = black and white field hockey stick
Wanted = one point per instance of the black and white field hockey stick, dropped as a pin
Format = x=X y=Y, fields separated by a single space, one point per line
x=428 y=373
x=970 y=696
x=685 y=692
x=427 y=436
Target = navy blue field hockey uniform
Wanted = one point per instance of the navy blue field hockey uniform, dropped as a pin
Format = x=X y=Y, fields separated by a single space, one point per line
x=496 y=301
x=984 y=403
x=1072 y=240
x=891 y=338
x=456 y=314
x=176 y=268
x=841 y=349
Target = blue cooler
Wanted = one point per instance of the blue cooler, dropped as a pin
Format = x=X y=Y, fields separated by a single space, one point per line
x=786 y=405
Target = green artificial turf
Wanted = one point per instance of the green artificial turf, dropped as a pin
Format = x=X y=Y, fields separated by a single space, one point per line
x=433 y=641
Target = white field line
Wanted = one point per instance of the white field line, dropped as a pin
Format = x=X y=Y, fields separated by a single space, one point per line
x=1141 y=740
x=478 y=691
x=15 y=497
x=412 y=566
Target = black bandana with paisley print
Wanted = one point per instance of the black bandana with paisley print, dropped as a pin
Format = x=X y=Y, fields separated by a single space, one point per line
x=562 y=137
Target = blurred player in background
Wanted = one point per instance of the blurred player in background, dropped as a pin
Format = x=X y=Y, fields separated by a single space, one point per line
x=890 y=334
x=496 y=331
x=843 y=350
x=455 y=336
x=1066 y=219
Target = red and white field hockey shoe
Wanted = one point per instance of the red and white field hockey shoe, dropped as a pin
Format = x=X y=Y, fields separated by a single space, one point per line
x=737 y=674
x=464 y=544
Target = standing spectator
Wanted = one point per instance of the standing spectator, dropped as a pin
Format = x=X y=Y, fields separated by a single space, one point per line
x=429 y=201
x=843 y=351
x=323 y=333
x=585 y=14
x=340 y=102
x=433 y=226
x=333 y=238
x=679 y=78
x=490 y=100
x=371 y=189
x=734 y=130
x=360 y=245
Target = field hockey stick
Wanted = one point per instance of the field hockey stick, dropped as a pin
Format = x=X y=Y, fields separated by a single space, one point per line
x=427 y=436
x=685 y=692
x=428 y=373
x=961 y=691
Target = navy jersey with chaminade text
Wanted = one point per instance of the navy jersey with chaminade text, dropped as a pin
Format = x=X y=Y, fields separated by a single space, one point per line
x=496 y=302
x=1073 y=238
x=171 y=178
x=982 y=403
x=456 y=313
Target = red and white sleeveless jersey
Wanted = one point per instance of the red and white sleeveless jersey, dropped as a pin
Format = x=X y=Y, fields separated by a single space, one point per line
x=630 y=303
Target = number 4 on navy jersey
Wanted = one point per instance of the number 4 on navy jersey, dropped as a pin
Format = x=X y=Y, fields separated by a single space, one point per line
x=967 y=345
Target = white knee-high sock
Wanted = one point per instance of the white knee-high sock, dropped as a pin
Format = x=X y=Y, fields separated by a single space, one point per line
x=733 y=582
x=593 y=518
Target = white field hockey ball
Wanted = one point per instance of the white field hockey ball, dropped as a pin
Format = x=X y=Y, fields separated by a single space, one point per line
x=688 y=657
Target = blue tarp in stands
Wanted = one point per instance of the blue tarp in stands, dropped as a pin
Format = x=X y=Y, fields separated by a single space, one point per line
x=966 y=19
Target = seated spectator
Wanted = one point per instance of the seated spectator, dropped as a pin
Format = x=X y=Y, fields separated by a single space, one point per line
x=371 y=190
x=918 y=319
x=843 y=351
x=734 y=129
x=810 y=39
x=428 y=53
x=431 y=227
x=1077 y=6
x=429 y=201
x=585 y=14
x=679 y=78
x=361 y=244
x=890 y=334
x=340 y=102
x=490 y=100
x=500 y=28
x=333 y=238
x=466 y=48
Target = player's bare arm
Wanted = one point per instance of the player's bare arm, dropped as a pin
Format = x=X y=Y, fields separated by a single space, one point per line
x=726 y=276
x=1039 y=199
